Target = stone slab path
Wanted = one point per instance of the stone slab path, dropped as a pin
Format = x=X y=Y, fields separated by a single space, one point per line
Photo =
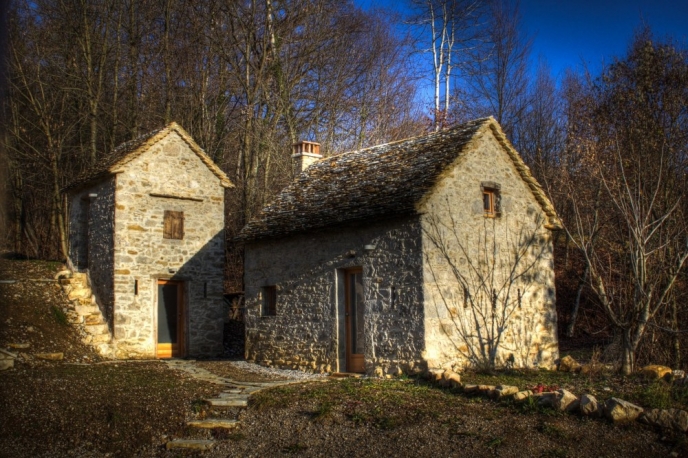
x=233 y=393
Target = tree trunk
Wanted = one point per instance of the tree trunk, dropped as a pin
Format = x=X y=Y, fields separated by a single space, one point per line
x=18 y=211
x=57 y=208
x=574 y=312
x=628 y=352
x=675 y=338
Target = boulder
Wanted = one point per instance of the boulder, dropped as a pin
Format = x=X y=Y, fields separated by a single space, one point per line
x=620 y=411
x=568 y=364
x=455 y=380
x=655 y=371
x=565 y=401
x=485 y=390
x=502 y=391
x=522 y=395
x=547 y=399
x=450 y=378
x=6 y=359
x=470 y=389
x=589 y=406
x=674 y=419
x=435 y=374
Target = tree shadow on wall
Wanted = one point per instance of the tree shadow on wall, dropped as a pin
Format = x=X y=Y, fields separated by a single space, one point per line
x=483 y=281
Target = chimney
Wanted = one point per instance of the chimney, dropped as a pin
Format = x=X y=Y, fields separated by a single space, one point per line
x=305 y=153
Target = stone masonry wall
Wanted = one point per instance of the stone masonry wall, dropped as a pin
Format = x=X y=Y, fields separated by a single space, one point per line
x=97 y=213
x=469 y=259
x=168 y=168
x=308 y=331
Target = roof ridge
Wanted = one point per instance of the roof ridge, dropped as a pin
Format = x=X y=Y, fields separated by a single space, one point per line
x=129 y=150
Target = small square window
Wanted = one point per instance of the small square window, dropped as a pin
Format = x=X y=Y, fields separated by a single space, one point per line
x=173 y=227
x=269 y=306
x=491 y=199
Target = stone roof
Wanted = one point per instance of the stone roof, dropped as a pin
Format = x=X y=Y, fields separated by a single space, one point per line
x=128 y=151
x=375 y=183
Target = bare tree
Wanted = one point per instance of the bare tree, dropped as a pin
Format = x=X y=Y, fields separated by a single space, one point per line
x=630 y=136
x=497 y=79
x=453 y=27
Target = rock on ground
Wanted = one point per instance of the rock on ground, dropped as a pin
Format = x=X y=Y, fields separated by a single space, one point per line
x=589 y=406
x=620 y=411
x=655 y=371
x=568 y=364
x=675 y=419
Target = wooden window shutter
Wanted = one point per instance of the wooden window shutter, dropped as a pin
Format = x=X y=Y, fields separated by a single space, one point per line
x=174 y=225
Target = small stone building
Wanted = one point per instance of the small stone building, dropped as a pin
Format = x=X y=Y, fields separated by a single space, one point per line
x=147 y=225
x=403 y=257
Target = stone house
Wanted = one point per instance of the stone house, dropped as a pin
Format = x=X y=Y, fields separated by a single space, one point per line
x=424 y=253
x=147 y=226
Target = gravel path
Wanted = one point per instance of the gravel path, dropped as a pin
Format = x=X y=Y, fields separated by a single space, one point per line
x=243 y=371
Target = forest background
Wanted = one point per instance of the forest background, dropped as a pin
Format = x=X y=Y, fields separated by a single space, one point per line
x=248 y=78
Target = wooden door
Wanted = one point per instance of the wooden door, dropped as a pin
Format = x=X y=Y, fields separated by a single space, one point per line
x=355 y=331
x=171 y=319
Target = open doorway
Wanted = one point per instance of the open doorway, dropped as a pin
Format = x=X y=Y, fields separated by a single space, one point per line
x=354 y=310
x=171 y=319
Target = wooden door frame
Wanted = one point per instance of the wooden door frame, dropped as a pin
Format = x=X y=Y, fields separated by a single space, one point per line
x=347 y=318
x=182 y=315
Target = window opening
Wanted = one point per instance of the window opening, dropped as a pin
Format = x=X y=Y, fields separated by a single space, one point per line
x=269 y=306
x=173 y=225
x=491 y=199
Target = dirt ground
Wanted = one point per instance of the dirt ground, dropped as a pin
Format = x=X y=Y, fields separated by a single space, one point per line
x=84 y=407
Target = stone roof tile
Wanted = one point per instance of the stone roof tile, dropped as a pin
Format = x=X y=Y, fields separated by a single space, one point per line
x=375 y=183
x=130 y=150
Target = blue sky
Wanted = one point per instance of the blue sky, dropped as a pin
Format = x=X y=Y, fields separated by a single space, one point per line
x=570 y=32
x=567 y=33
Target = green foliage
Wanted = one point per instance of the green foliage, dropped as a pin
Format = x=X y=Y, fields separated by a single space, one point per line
x=662 y=395
x=275 y=398
x=495 y=442
x=323 y=411
x=59 y=315
x=198 y=405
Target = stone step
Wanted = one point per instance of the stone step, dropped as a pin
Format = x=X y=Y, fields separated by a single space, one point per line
x=79 y=293
x=94 y=319
x=84 y=310
x=232 y=391
x=190 y=444
x=73 y=282
x=96 y=329
x=236 y=401
x=86 y=302
x=211 y=423
x=97 y=339
x=103 y=349
x=74 y=318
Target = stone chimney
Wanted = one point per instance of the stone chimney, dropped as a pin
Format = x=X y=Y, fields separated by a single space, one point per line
x=304 y=154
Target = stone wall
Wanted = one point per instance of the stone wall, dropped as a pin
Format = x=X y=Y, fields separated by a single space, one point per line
x=169 y=176
x=308 y=331
x=498 y=271
x=91 y=236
